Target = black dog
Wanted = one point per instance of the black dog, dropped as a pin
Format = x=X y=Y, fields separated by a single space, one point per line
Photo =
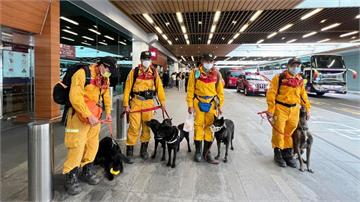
x=171 y=135
x=302 y=139
x=224 y=132
x=155 y=126
x=109 y=157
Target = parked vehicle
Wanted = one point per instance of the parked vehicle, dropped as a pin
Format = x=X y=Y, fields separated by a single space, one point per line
x=252 y=83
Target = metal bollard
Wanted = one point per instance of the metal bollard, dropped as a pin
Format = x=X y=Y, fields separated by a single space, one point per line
x=120 y=122
x=40 y=162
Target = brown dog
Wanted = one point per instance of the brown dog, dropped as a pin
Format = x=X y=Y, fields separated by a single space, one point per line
x=302 y=139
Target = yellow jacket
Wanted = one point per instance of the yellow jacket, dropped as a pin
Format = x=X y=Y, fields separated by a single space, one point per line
x=205 y=86
x=287 y=94
x=78 y=92
x=144 y=81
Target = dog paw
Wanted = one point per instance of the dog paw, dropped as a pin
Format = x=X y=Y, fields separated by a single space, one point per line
x=163 y=159
x=153 y=156
x=189 y=150
x=225 y=160
x=310 y=170
x=216 y=157
x=173 y=166
x=168 y=165
x=301 y=169
x=232 y=148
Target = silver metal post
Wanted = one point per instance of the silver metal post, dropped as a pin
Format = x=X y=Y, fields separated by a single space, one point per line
x=40 y=162
x=120 y=122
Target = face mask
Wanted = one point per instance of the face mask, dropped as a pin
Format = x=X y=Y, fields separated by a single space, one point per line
x=294 y=70
x=106 y=74
x=208 y=66
x=146 y=63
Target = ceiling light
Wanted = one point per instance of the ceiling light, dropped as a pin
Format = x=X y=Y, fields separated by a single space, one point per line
x=217 y=16
x=148 y=18
x=199 y=22
x=165 y=37
x=227 y=59
x=158 y=29
x=67 y=27
x=256 y=15
x=357 y=17
x=283 y=38
x=354 y=37
x=285 y=27
x=324 y=40
x=70 y=32
x=95 y=26
x=311 y=13
x=69 y=39
x=211 y=35
x=167 y=23
x=183 y=29
x=309 y=34
x=234 y=22
x=322 y=21
x=357 y=40
x=86 y=43
x=199 y=38
x=179 y=17
x=69 y=20
x=192 y=58
x=6 y=34
x=260 y=41
x=236 y=35
x=330 y=26
x=183 y=58
x=292 y=40
x=120 y=42
x=88 y=38
x=230 y=41
x=105 y=44
x=187 y=42
x=271 y=35
x=215 y=57
x=349 y=34
x=244 y=27
x=109 y=37
x=209 y=41
x=176 y=39
x=96 y=32
x=169 y=42
x=213 y=27
x=186 y=36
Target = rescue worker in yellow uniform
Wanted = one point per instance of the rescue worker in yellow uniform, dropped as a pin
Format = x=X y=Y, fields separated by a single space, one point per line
x=139 y=94
x=284 y=98
x=205 y=96
x=82 y=126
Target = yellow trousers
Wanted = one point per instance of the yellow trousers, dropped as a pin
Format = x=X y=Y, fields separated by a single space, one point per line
x=81 y=141
x=285 y=121
x=137 y=121
x=203 y=121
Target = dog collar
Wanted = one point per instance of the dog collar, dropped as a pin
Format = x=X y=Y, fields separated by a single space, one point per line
x=215 y=129
x=112 y=171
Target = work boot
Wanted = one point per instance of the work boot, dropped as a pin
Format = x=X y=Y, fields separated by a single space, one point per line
x=207 y=154
x=197 y=157
x=278 y=158
x=288 y=157
x=143 y=150
x=89 y=174
x=72 y=185
x=129 y=151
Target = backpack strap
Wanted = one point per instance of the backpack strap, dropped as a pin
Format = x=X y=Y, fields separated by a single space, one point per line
x=281 y=77
x=135 y=75
x=87 y=75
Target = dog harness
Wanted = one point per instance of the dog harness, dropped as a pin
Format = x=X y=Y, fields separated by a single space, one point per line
x=215 y=129
x=173 y=140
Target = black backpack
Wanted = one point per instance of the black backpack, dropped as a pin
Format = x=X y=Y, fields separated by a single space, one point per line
x=62 y=89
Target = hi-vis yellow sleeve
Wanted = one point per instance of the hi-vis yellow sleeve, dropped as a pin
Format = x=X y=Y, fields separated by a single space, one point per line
x=127 y=90
x=76 y=94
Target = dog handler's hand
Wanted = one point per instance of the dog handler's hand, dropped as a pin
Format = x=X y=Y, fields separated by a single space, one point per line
x=93 y=120
x=220 y=111
x=191 y=110
x=108 y=117
x=163 y=107
x=308 y=116
x=127 y=109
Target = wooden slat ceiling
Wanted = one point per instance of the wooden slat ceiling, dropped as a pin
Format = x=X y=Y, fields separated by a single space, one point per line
x=234 y=14
x=133 y=7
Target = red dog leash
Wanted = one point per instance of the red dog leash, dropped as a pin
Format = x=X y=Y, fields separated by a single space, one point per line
x=268 y=118
x=147 y=110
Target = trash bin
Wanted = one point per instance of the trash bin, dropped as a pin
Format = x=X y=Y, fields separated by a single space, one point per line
x=40 y=161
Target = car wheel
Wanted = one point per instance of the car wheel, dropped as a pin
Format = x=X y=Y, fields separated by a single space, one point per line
x=246 y=92
x=237 y=90
x=320 y=94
